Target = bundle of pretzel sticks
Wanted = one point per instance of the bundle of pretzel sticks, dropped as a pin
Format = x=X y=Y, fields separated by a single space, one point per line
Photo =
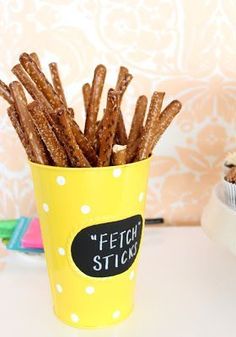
x=50 y=135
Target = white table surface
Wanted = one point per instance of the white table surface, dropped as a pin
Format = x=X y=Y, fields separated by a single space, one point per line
x=186 y=288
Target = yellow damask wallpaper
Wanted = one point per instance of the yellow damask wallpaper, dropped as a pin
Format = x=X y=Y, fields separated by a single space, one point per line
x=186 y=48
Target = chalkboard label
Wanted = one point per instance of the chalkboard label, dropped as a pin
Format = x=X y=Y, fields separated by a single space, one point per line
x=107 y=249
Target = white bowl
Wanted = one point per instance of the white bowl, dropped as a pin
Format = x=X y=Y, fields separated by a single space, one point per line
x=219 y=220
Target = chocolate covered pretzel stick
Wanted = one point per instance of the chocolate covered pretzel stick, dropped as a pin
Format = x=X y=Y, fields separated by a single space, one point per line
x=151 y=125
x=5 y=92
x=136 y=126
x=57 y=82
x=166 y=118
x=21 y=134
x=77 y=157
x=55 y=149
x=35 y=58
x=27 y=124
x=118 y=154
x=94 y=102
x=86 y=89
x=109 y=128
x=41 y=81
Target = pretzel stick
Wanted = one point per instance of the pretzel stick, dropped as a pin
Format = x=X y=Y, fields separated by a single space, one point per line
x=39 y=97
x=123 y=71
x=136 y=126
x=138 y=118
x=71 y=112
x=151 y=125
x=97 y=125
x=166 y=118
x=84 y=144
x=94 y=102
x=41 y=81
x=29 y=85
x=57 y=82
x=35 y=58
x=124 y=84
x=76 y=155
x=86 y=89
x=21 y=134
x=119 y=154
x=133 y=148
x=27 y=123
x=58 y=129
x=109 y=128
x=36 y=94
x=55 y=149
x=5 y=92
x=123 y=81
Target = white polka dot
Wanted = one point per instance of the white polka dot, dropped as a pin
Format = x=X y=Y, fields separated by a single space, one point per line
x=90 y=290
x=59 y=288
x=131 y=275
x=45 y=207
x=116 y=314
x=141 y=197
x=117 y=172
x=61 y=180
x=74 y=318
x=85 y=209
x=61 y=251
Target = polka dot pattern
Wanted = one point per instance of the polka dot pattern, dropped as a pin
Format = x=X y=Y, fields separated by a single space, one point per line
x=74 y=317
x=141 y=197
x=64 y=218
x=117 y=172
x=85 y=209
x=90 y=290
x=131 y=275
x=61 y=180
x=61 y=251
x=116 y=314
x=45 y=207
x=59 y=288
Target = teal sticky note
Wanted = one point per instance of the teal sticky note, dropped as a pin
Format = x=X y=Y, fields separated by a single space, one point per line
x=19 y=231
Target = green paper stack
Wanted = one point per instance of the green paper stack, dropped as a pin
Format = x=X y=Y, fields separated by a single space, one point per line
x=6 y=228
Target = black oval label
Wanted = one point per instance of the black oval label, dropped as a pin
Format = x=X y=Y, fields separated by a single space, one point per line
x=107 y=249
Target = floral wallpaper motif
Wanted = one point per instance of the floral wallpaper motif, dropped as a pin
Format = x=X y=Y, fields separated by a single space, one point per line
x=187 y=51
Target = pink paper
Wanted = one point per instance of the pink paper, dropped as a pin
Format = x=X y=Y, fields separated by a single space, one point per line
x=32 y=237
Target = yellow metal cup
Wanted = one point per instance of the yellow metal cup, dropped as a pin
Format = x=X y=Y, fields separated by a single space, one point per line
x=91 y=261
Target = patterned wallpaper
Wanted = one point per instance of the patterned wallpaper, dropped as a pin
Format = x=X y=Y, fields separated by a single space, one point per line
x=187 y=51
